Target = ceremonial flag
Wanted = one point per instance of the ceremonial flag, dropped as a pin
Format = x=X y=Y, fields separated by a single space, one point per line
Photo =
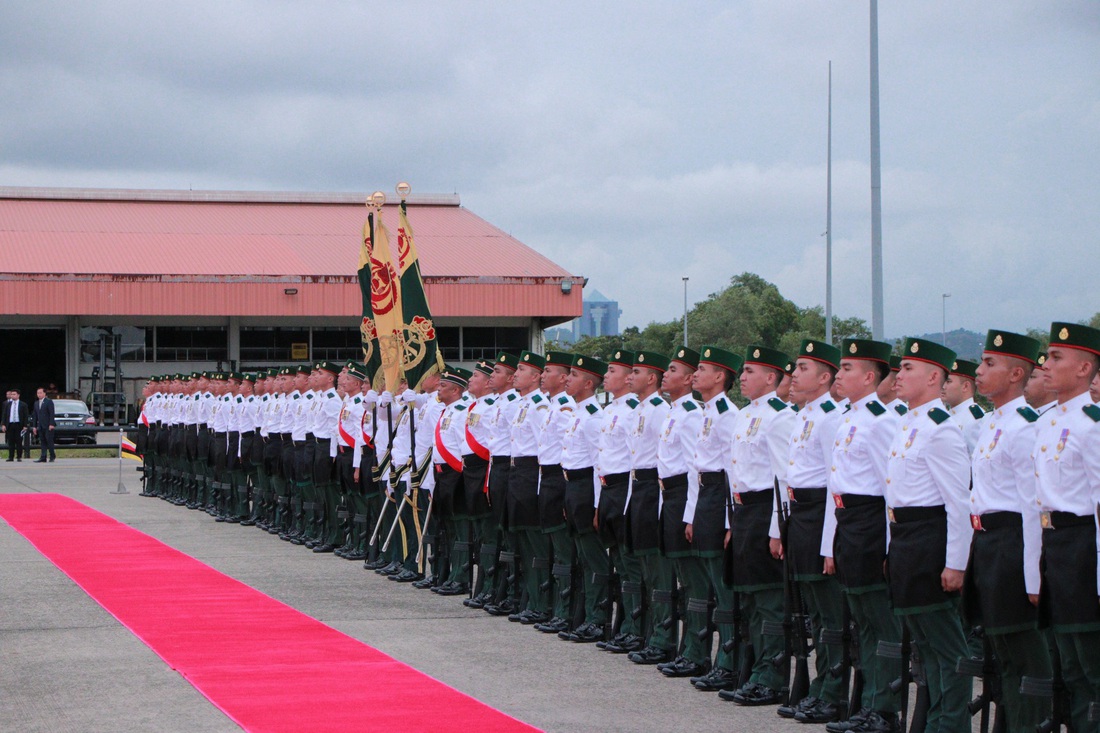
x=127 y=449
x=421 y=350
x=385 y=301
x=368 y=334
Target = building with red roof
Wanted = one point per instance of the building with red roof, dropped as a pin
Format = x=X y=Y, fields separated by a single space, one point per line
x=179 y=281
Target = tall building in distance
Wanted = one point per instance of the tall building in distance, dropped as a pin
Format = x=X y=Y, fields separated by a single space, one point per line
x=600 y=318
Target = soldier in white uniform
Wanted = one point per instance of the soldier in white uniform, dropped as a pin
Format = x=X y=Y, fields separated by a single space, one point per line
x=810 y=458
x=706 y=513
x=1067 y=463
x=927 y=495
x=327 y=487
x=500 y=415
x=447 y=495
x=582 y=488
x=1001 y=591
x=475 y=470
x=644 y=511
x=758 y=480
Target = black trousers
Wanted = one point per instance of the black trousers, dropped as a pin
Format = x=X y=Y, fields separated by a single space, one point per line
x=45 y=437
x=15 y=440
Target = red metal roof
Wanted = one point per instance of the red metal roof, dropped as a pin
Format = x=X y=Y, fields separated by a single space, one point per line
x=223 y=253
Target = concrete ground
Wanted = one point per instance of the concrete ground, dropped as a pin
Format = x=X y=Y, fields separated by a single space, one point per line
x=67 y=665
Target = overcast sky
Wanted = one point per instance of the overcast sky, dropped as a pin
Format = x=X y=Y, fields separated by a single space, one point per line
x=634 y=143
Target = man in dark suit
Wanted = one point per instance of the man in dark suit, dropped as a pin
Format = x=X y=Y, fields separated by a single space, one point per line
x=44 y=425
x=13 y=419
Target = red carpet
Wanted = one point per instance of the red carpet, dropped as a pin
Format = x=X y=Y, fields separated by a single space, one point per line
x=267 y=666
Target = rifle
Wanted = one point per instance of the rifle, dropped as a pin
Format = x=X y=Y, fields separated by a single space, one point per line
x=1054 y=689
x=986 y=669
x=853 y=688
x=794 y=615
x=424 y=529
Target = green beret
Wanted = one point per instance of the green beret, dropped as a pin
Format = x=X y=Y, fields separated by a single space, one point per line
x=686 y=356
x=249 y=377
x=357 y=371
x=720 y=357
x=531 y=359
x=485 y=367
x=895 y=363
x=589 y=364
x=288 y=371
x=236 y=375
x=1012 y=344
x=964 y=368
x=328 y=366
x=1041 y=359
x=559 y=358
x=820 y=351
x=509 y=360
x=1075 y=336
x=456 y=375
x=196 y=375
x=305 y=369
x=929 y=352
x=622 y=357
x=273 y=372
x=789 y=369
x=652 y=360
x=866 y=349
x=764 y=356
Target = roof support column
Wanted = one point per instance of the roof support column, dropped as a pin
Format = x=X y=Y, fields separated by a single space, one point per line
x=234 y=333
x=72 y=353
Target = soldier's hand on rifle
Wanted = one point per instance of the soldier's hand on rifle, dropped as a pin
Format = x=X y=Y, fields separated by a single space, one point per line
x=687 y=532
x=775 y=546
x=829 y=567
x=951 y=580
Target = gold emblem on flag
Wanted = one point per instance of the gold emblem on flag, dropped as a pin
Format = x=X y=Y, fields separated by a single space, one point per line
x=1063 y=334
x=998 y=341
x=914 y=348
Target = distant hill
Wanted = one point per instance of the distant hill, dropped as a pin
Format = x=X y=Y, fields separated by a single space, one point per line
x=967 y=344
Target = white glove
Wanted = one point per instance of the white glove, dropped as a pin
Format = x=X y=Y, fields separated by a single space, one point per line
x=371 y=397
x=386 y=398
x=408 y=397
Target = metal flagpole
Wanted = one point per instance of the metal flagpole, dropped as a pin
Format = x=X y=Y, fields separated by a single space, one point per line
x=829 y=219
x=876 y=189
x=121 y=486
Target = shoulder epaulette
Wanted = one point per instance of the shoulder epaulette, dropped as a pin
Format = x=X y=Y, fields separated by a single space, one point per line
x=795 y=407
x=309 y=396
x=689 y=406
x=827 y=406
x=1028 y=414
x=357 y=399
x=656 y=402
x=489 y=400
x=460 y=407
x=777 y=404
x=632 y=403
x=592 y=409
x=239 y=400
x=537 y=398
x=875 y=408
x=937 y=415
x=721 y=405
x=1093 y=411
x=901 y=409
x=977 y=412
x=563 y=400
x=511 y=396
x=297 y=396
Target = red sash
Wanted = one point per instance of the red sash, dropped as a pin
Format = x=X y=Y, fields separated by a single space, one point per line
x=144 y=419
x=479 y=450
x=344 y=435
x=366 y=438
x=455 y=463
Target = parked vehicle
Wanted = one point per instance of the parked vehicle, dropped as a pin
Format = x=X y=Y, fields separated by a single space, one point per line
x=73 y=418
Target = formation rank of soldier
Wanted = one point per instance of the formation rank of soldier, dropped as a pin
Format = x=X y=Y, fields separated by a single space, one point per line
x=860 y=505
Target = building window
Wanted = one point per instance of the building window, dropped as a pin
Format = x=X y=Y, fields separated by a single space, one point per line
x=485 y=342
x=337 y=344
x=274 y=345
x=134 y=343
x=449 y=340
x=194 y=343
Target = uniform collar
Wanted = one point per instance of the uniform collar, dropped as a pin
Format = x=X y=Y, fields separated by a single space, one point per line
x=964 y=405
x=1010 y=406
x=763 y=399
x=927 y=407
x=1074 y=403
x=623 y=398
x=816 y=404
x=679 y=401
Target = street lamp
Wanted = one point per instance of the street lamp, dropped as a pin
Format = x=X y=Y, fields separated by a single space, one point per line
x=685 y=310
x=943 y=302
